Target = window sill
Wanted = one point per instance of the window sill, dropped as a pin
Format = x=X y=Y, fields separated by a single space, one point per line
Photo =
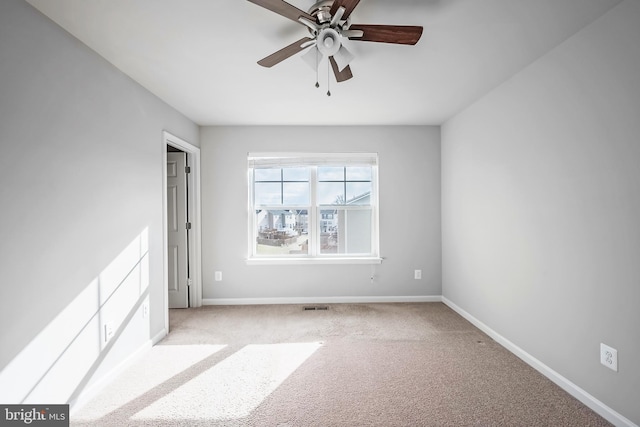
x=309 y=261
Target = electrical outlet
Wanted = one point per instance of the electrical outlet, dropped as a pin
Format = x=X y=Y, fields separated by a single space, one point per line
x=417 y=274
x=609 y=357
x=218 y=276
x=108 y=331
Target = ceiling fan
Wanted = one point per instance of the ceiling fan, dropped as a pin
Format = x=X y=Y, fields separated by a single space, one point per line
x=329 y=25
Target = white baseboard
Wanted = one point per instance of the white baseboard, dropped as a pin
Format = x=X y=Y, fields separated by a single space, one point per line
x=577 y=392
x=158 y=337
x=99 y=385
x=320 y=300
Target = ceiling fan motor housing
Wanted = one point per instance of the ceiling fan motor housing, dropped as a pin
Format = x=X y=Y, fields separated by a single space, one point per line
x=322 y=11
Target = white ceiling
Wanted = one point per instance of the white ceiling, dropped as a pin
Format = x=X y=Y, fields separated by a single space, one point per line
x=200 y=56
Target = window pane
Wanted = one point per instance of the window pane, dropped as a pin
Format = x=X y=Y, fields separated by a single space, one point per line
x=330 y=173
x=331 y=193
x=295 y=174
x=313 y=198
x=357 y=173
x=267 y=194
x=267 y=174
x=282 y=232
x=358 y=193
x=349 y=232
x=296 y=193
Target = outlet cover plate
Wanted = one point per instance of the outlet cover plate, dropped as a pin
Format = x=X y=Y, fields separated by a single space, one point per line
x=108 y=331
x=609 y=357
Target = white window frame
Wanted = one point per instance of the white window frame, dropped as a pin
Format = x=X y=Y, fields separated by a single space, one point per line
x=314 y=160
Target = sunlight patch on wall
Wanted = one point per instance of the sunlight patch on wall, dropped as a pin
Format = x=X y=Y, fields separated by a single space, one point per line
x=36 y=360
x=234 y=387
x=51 y=367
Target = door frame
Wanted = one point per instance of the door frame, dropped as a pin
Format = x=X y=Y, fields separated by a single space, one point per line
x=194 y=206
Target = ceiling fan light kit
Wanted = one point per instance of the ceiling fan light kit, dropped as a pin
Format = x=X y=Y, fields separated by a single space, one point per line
x=329 y=25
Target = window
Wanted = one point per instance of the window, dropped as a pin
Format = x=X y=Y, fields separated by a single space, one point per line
x=313 y=207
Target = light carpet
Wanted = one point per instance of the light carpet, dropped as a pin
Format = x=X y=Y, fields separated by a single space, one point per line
x=352 y=365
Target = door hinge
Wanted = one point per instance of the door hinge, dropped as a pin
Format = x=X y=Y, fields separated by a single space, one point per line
x=188 y=226
x=187 y=169
x=189 y=282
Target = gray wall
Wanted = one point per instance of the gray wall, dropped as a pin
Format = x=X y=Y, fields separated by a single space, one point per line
x=541 y=206
x=409 y=169
x=81 y=215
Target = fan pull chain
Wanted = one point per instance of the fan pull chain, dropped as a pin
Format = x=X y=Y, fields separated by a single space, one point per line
x=317 y=65
x=328 y=78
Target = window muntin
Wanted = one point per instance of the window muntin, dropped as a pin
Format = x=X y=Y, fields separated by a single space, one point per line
x=344 y=185
x=281 y=186
x=309 y=206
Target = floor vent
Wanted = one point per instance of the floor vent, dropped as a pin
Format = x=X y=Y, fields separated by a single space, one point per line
x=315 y=307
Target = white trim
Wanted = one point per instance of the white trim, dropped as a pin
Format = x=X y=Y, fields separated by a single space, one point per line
x=158 y=337
x=106 y=379
x=312 y=260
x=571 y=388
x=375 y=200
x=320 y=300
x=195 y=212
x=276 y=159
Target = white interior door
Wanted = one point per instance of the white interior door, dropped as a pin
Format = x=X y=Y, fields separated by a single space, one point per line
x=178 y=258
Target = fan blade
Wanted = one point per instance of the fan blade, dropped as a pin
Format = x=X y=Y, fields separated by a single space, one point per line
x=348 y=5
x=313 y=57
x=285 y=53
x=343 y=75
x=398 y=34
x=283 y=8
x=342 y=58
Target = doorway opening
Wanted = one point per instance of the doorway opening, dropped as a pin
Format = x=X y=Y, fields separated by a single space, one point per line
x=181 y=260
